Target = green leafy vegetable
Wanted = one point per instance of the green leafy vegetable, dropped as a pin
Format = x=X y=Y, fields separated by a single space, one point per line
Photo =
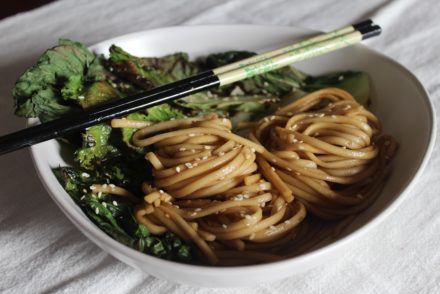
x=246 y=103
x=108 y=157
x=52 y=87
x=73 y=87
x=115 y=217
x=42 y=104
x=97 y=93
x=356 y=83
x=96 y=148
x=158 y=113
x=162 y=112
x=276 y=83
x=148 y=73
x=100 y=213
x=237 y=108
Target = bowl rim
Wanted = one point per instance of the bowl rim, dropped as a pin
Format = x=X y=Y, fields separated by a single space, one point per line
x=97 y=236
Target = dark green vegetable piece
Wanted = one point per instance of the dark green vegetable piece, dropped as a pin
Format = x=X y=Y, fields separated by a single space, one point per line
x=97 y=93
x=73 y=181
x=151 y=72
x=356 y=83
x=158 y=113
x=245 y=103
x=96 y=149
x=115 y=217
x=73 y=87
x=237 y=108
x=162 y=112
x=102 y=216
x=276 y=83
x=54 y=86
x=104 y=152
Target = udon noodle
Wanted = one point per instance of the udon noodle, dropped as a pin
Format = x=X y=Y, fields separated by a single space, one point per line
x=328 y=150
x=244 y=201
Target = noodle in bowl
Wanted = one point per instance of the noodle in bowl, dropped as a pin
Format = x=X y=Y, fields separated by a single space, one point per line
x=243 y=201
x=264 y=208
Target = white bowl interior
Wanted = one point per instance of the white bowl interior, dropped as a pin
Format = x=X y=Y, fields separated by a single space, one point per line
x=398 y=99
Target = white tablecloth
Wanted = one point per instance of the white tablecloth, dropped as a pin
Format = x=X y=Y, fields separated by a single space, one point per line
x=41 y=251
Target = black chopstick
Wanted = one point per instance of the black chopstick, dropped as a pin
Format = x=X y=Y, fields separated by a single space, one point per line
x=103 y=113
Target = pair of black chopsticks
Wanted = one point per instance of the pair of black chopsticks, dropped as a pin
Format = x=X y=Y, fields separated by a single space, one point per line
x=305 y=49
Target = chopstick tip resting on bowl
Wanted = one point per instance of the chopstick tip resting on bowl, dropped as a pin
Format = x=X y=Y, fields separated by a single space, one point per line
x=255 y=65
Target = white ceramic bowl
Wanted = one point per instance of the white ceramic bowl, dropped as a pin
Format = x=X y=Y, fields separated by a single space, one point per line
x=398 y=98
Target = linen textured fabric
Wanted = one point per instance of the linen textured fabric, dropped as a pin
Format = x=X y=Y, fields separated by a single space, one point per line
x=41 y=251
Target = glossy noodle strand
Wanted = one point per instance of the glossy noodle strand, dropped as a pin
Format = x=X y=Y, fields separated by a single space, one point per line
x=245 y=201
